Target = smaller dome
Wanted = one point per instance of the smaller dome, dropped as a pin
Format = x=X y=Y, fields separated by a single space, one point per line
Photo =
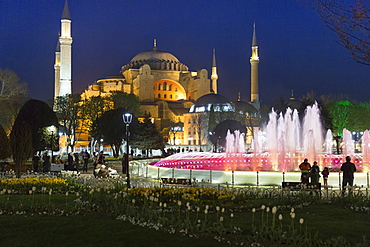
x=243 y=106
x=206 y=102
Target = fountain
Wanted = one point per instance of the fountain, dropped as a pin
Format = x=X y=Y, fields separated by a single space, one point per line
x=281 y=146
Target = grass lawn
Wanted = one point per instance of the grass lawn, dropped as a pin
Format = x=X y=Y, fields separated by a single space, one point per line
x=81 y=216
x=38 y=230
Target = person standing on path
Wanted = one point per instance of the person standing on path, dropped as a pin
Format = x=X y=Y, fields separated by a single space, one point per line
x=325 y=175
x=46 y=162
x=315 y=173
x=348 y=168
x=85 y=157
x=35 y=162
x=305 y=168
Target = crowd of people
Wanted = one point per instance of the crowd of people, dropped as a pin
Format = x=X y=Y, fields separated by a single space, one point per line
x=76 y=162
x=312 y=173
x=309 y=174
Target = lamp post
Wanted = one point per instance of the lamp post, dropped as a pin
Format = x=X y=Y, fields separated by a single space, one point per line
x=127 y=118
x=51 y=142
x=101 y=144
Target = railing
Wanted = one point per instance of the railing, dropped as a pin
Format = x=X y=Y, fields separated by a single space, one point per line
x=247 y=178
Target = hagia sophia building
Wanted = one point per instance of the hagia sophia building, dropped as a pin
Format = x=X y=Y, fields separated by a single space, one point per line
x=166 y=88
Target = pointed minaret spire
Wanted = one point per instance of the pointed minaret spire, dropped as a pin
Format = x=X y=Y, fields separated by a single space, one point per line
x=238 y=96
x=254 y=39
x=66 y=15
x=214 y=75
x=254 y=60
x=155 y=44
x=292 y=95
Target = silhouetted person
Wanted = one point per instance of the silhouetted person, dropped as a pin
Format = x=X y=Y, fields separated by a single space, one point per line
x=46 y=162
x=348 y=168
x=35 y=162
x=85 y=157
x=305 y=168
x=315 y=173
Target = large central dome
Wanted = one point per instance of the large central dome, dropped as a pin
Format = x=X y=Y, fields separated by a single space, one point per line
x=154 y=55
x=157 y=60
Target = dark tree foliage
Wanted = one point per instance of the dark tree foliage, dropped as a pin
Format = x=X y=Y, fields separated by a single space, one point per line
x=13 y=94
x=37 y=114
x=350 y=20
x=130 y=102
x=219 y=137
x=146 y=136
x=21 y=143
x=67 y=109
x=111 y=129
x=6 y=151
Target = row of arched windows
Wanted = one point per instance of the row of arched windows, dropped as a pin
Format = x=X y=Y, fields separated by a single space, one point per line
x=165 y=96
x=165 y=87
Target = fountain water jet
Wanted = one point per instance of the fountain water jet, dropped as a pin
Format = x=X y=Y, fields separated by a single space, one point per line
x=281 y=146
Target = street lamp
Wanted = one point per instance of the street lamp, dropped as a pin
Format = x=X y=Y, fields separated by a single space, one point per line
x=101 y=144
x=51 y=142
x=127 y=118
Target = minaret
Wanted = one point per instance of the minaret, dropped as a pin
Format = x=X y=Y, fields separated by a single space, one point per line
x=57 y=71
x=65 y=41
x=214 y=76
x=155 y=45
x=254 y=60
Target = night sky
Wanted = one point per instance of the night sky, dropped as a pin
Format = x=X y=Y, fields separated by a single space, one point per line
x=297 y=52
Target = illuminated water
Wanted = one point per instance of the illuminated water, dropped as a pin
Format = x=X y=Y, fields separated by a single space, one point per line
x=280 y=146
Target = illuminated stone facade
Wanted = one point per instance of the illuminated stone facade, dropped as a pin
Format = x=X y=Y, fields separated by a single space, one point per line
x=164 y=85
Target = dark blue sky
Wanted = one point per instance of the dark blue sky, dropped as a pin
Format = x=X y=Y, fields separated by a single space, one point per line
x=296 y=50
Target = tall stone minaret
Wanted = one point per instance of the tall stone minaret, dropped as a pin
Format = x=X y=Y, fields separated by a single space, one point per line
x=254 y=60
x=214 y=75
x=57 y=71
x=65 y=42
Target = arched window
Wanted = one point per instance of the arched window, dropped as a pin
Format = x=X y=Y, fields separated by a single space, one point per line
x=159 y=86
x=170 y=87
x=165 y=96
x=175 y=89
x=170 y=96
x=176 y=96
x=159 y=96
x=165 y=86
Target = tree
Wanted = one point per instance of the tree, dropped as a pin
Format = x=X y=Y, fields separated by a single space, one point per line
x=145 y=136
x=350 y=20
x=344 y=114
x=91 y=109
x=130 y=102
x=38 y=115
x=21 y=144
x=67 y=108
x=6 y=151
x=111 y=128
x=219 y=138
x=13 y=94
x=200 y=123
x=358 y=118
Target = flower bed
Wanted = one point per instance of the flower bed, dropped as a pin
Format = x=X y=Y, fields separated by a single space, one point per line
x=235 y=216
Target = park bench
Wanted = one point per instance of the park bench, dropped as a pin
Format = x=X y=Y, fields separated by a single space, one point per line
x=301 y=186
x=176 y=181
